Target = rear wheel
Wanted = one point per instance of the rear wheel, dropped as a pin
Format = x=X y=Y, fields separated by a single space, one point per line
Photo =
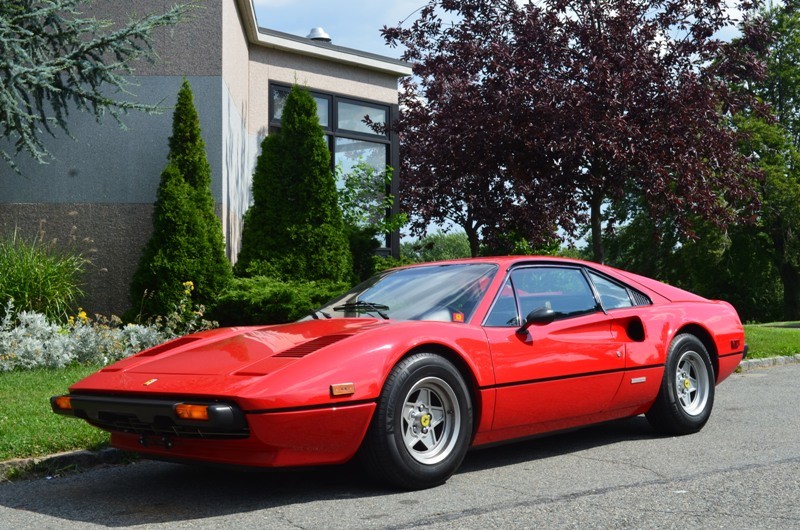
x=686 y=396
x=422 y=426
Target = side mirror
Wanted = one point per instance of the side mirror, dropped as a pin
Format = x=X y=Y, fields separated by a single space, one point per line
x=540 y=315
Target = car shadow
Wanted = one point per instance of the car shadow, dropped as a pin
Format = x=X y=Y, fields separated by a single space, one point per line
x=150 y=492
x=558 y=444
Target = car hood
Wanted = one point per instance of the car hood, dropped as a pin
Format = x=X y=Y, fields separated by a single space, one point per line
x=242 y=350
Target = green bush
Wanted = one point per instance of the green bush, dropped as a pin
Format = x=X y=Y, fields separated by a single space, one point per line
x=39 y=277
x=187 y=242
x=167 y=260
x=365 y=200
x=263 y=300
x=436 y=247
x=363 y=248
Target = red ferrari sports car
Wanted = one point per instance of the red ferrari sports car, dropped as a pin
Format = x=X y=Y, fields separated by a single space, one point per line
x=413 y=367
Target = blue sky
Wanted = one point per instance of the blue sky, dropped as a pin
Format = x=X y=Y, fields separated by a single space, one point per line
x=352 y=23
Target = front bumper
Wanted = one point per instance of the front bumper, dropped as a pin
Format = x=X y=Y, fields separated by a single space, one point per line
x=154 y=417
x=282 y=438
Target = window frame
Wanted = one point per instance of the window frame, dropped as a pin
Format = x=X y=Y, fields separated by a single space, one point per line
x=632 y=293
x=520 y=317
x=333 y=129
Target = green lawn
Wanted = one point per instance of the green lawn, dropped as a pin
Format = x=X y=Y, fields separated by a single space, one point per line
x=773 y=339
x=29 y=428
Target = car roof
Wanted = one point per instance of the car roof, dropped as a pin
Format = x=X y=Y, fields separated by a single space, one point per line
x=513 y=260
x=648 y=285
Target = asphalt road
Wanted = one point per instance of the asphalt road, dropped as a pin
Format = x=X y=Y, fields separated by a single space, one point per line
x=741 y=471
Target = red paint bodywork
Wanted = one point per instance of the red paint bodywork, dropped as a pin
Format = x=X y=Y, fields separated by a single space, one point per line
x=563 y=374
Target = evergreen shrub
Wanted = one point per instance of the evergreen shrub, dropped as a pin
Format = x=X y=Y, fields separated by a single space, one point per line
x=187 y=242
x=363 y=248
x=261 y=300
x=294 y=229
x=168 y=257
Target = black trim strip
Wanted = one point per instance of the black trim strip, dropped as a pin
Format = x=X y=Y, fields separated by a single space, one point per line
x=312 y=407
x=733 y=354
x=571 y=376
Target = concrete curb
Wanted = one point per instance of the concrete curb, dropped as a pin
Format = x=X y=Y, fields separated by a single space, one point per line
x=74 y=460
x=751 y=364
x=61 y=462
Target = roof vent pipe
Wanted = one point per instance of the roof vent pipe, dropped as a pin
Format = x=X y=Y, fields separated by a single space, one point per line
x=318 y=34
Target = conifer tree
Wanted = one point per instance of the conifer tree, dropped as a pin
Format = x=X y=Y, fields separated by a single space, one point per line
x=294 y=229
x=53 y=59
x=187 y=242
x=157 y=286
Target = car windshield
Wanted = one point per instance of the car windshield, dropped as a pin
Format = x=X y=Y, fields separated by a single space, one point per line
x=448 y=293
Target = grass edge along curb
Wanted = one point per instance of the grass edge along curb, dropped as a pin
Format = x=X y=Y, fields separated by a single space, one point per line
x=61 y=463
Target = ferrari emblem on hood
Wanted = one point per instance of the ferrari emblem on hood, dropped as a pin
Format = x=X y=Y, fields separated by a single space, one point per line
x=150 y=382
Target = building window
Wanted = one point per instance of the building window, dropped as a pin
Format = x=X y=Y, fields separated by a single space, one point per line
x=348 y=152
x=350 y=116
x=349 y=137
x=278 y=101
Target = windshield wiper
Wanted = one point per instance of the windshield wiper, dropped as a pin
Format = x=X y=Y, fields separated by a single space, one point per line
x=313 y=314
x=366 y=307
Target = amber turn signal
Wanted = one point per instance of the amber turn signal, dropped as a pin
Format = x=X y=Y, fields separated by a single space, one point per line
x=186 y=411
x=343 y=389
x=63 y=402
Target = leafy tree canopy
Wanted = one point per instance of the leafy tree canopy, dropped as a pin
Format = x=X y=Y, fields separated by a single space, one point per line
x=775 y=144
x=755 y=266
x=781 y=86
x=779 y=192
x=437 y=246
x=54 y=59
x=524 y=117
x=366 y=200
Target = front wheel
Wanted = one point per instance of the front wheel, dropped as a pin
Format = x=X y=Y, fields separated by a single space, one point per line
x=422 y=426
x=686 y=396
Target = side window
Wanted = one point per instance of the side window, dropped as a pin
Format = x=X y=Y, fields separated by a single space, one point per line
x=612 y=294
x=562 y=289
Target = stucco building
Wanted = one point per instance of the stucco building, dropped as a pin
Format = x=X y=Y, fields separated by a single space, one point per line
x=98 y=192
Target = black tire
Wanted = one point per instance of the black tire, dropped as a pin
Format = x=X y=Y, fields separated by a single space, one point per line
x=422 y=426
x=686 y=396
